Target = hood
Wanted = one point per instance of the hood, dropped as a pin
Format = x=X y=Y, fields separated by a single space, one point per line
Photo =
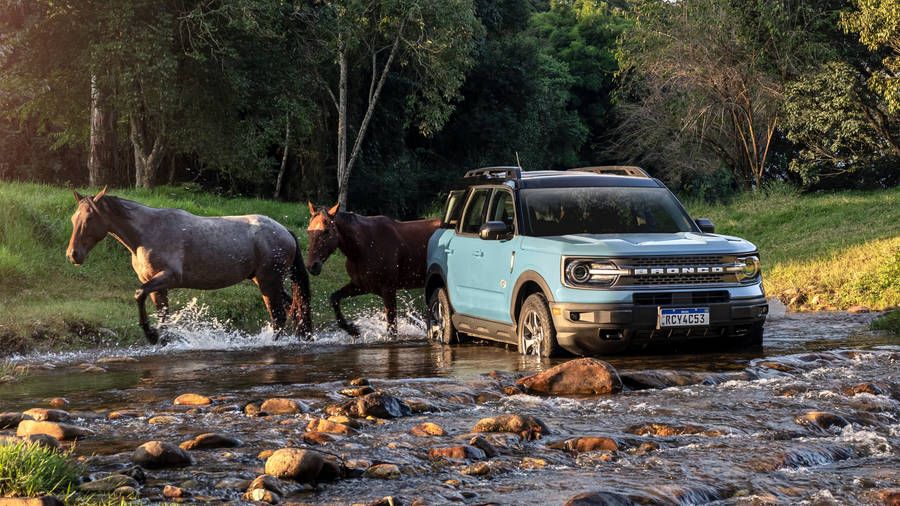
x=681 y=243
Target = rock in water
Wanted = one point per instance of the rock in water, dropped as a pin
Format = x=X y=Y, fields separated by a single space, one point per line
x=157 y=454
x=601 y=498
x=376 y=404
x=526 y=426
x=304 y=466
x=210 y=441
x=582 y=376
x=283 y=406
x=61 y=431
x=192 y=400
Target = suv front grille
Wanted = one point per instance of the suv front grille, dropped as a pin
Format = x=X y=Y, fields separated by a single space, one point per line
x=666 y=298
x=679 y=278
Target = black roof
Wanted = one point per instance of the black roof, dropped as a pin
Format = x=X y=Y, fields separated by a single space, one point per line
x=588 y=176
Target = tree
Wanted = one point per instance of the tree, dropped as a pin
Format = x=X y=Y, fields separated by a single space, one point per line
x=878 y=24
x=704 y=81
x=429 y=41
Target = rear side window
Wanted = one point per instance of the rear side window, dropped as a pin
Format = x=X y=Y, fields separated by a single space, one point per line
x=474 y=216
x=453 y=209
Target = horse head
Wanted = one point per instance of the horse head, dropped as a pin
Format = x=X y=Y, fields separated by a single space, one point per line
x=88 y=227
x=323 y=237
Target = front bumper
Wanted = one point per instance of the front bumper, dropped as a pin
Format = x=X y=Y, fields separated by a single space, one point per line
x=586 y=329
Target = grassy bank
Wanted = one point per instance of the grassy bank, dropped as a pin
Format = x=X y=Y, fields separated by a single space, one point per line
x=828 y=251
x=818 y=252
x=47 y=303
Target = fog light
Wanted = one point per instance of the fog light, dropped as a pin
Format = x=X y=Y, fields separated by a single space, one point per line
x=574 y=316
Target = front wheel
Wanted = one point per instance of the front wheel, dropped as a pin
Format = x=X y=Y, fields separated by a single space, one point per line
x=537 y=336
x=439 y=325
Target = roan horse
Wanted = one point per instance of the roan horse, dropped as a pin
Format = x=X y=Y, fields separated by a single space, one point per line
x=383 y=256
x=171 y=248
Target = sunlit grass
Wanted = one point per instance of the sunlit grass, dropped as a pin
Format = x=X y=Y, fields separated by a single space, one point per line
x=29 y=470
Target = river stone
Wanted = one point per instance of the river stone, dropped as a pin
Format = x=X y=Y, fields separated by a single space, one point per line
x=477 y=469
x=125 y=491
x=865 y=388
x=858 y=309
x=258 y=495
x=172 y=492
x=93 y=369
x=283 y=406
x=346 y=420
x=383 y=472
x=582 y=376
x=357 y=391
x=108 y=483
x=47 y=500
x=304 y=466
x=358 y=382
x=427 y=429
x=600 y=498
x=316 y=438
x=376 y=404
x=158 y=454
x=665 y=429
x=526 y=426
x=484 y=445
x=821 y=419
x=192 y=400
x=59 y=403
x=889 y=496
x=266 y=482
x=44 y=440
x=322 y=425
x=586 y=444
x=127 y=413
x=61 y=431
x=48 y=415
x=116 y=360
x=11 y=420
x=210 y=440
x=461 y=452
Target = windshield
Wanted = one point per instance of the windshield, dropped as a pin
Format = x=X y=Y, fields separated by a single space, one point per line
x=602 y=210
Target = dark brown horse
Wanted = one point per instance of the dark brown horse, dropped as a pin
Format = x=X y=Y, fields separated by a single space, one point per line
x=383 y=256
x=171 y=248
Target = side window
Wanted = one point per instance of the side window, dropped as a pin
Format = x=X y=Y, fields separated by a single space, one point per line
x=453 y=209
x=503 y=209
x=474 y=216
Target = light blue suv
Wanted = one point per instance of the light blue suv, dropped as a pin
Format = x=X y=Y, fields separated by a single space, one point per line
x=591 y=260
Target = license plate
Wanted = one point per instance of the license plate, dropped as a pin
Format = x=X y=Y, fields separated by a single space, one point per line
x=683 y=317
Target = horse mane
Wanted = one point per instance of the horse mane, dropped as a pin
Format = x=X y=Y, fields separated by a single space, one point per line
x=116 y=206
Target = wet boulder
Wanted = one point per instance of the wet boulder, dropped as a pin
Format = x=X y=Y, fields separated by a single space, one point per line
x=376 y=404
x=59 y=403
x=585 y=444
x=45 y=440
x=889 y=496
x=484 y=445
x=358 y=382
x=264 y=488
x=61 y=431
x=173 y=492
x=47 y=500
x=11 y=420
x=582 y=376
x=316 y=438
x=210 y=440
x=864 y=388
x=821 y=419
x=357 y=391
x=158 y=454
x=527 y=426
x=599 y=498
x=383 y=471
x=427 y=429
x=48 y=415
x=108 y=484
x=329 y=427
x=304 y=466
x=461 y=452
x=192 y=400
x=665 y=429
x=283 y=406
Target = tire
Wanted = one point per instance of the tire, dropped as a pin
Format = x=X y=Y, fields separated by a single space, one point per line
x=537 y=336
x=439 y=325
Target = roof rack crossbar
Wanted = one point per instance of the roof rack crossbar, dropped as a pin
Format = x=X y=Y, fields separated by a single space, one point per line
x=615 y=170
x=496 y=173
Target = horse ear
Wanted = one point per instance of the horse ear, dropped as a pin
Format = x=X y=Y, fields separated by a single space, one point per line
x=334 y=210
x=312 y=210
x=100 y=195
x=78 y=196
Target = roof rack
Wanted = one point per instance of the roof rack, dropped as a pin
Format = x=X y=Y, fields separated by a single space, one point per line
x=496 y=173
x=615 y=170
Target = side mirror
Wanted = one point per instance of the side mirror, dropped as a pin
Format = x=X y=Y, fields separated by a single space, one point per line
x=706 y=225
x=492 y=230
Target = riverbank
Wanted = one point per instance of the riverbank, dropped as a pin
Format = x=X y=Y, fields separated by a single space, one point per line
x=830 y=251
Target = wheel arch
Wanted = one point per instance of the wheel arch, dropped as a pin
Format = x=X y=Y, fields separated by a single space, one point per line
x=434 y=279
x=528 y=283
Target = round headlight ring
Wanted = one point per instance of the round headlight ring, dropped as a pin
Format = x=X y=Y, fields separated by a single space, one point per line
x=579 y=272
x=749 y=267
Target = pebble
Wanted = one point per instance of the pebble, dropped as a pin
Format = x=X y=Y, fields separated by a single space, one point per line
x=192 y=400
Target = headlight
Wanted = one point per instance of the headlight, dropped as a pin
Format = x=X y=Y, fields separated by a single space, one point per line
x=748 y=268
x=591 y=273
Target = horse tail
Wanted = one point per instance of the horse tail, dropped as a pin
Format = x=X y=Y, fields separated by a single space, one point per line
x=300 y=313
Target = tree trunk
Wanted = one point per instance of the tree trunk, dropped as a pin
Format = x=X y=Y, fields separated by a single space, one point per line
x=146 y=160
x=284 y=157
x=103 y=157
x=343 y=177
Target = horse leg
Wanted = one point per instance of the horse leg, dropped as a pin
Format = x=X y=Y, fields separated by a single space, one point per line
x=273 y=297
x=390 y=311
x=348 y=290
x=154 y=284
x=161 y=301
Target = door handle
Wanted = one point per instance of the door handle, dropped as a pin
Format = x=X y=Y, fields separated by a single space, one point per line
x=448 y=251
x=478 y=253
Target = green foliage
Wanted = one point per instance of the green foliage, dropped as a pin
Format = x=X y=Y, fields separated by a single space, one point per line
x=890 y=322
x=878 y=24
x=30 y=470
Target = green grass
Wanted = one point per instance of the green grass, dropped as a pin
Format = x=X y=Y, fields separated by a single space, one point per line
x=30 y=470
x=47 y=303
x=821 y=251
x=889 y=322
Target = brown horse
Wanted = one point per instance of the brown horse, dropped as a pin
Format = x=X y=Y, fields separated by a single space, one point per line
x=171 y=248
x=383 y=256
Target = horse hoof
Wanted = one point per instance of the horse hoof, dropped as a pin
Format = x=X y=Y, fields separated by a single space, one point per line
x=152 y=335
x=352 y=330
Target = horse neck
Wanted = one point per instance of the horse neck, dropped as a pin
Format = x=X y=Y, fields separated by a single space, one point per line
x=348 y=235
x=128 y=229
